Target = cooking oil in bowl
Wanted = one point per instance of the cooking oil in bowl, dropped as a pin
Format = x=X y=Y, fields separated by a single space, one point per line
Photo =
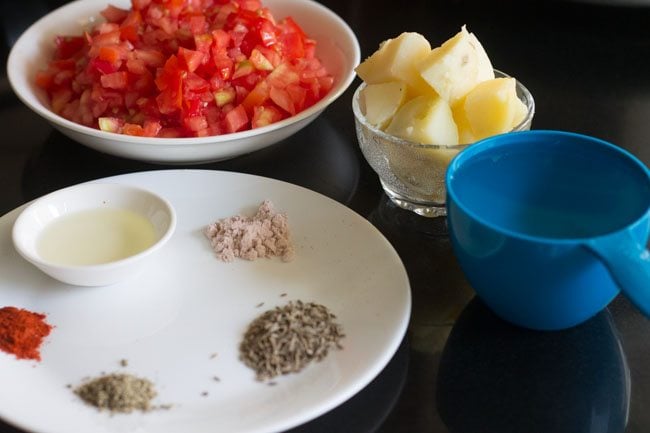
x=96 y=236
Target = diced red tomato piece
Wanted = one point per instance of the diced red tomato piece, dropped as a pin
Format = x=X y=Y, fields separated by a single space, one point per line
x=265 y=115
x=257 y=96
x=134 y=18
x=115 y=80
x=132 y=129
x=259 y=61
x=140 y=4
x=298 y=95
x=221 y=38
x=292 y=45
x=309 y=46
x=103 y=39
x=272 y=55
x=282 y=76
x=326 y=84
x=136 y=66
x=203 y=42
x=193 y=59
x=289 y=25
x=198 y=24
x=129 y=33
x=251 y=5
x=236 y=119
x=111 y=53
x=268 y=33
x=114 y=14
x=196 y=123
x=44 y=79
x=282 y=99
x=150 y=57
x=59 y=98
x=151 y=128
x=102 y=66
x=68 y=46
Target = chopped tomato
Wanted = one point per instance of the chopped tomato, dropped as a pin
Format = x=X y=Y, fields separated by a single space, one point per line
x=257 y=96
x=178 y=68
x=236 y=119
x=132 y=129
x=265 y=115
x=114 y=14
x=282 y=99
x=68 y=46
x=193 y=59
x=115 y=80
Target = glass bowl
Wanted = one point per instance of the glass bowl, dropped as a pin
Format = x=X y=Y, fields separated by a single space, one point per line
x=413 y=174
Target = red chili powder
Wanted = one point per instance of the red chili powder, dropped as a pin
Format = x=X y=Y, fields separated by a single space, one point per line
x=22 y=332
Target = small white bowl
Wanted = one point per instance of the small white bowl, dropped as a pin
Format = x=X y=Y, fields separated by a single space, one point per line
x=37 y=216
x=337 y=48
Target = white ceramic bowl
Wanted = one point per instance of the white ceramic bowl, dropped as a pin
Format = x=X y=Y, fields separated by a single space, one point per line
x=32 y=221
x=337 y=48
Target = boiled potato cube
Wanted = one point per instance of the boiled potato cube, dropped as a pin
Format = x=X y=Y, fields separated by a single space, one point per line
x=426 y=119
x=491 y=107
x=381 y=101
x=455 y=67
x=395 y=61
x=521 y=111
x=484 y=69
x=465 y=133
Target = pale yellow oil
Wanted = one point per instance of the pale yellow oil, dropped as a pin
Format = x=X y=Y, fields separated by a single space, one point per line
x=95 y=236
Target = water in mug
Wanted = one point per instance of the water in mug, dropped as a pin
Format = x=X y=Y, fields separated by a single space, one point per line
x=561 y=194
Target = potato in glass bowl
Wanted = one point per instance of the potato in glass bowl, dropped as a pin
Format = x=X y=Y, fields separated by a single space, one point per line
x=418 y=107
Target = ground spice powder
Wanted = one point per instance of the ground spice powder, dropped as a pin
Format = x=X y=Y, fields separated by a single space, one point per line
x=264 y=235
x=118 y=393
x=22 y=332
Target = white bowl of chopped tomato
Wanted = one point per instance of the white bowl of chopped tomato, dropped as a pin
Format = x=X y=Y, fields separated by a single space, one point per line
x=183 y=82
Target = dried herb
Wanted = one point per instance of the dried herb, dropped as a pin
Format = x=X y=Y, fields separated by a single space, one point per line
x=118 y=393
x=286 y=339
x=22 y=332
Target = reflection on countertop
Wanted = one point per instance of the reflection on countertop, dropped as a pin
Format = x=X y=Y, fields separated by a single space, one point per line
x=495 y=377
x=317 y=156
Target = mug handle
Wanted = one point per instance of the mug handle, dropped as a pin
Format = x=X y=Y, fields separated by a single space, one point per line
x=628 y=262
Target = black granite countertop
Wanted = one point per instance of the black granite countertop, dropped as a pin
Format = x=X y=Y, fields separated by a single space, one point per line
x=459 y=369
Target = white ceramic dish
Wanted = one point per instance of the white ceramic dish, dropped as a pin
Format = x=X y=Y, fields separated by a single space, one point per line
x=169 y=323
x=337 y=48
x=38 y=215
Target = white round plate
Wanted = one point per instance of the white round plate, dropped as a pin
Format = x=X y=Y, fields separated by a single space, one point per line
x=180 y=321
x=337 y=48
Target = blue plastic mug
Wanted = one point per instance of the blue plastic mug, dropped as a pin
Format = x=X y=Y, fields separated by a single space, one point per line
x=549 y=226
